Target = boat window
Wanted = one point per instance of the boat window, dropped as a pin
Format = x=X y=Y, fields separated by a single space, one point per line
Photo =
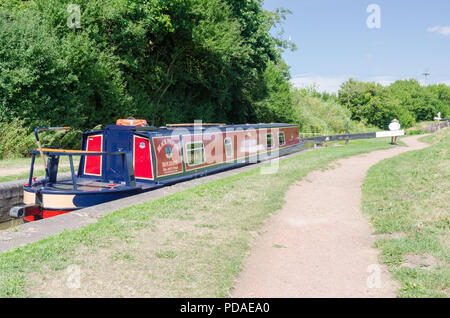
x=228 y=147
x=269 y=141
x=195 y=153
x=281 y=139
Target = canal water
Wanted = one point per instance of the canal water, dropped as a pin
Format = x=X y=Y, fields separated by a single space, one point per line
x=11 y=223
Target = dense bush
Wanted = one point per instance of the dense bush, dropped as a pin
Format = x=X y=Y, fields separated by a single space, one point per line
x=276 y=106
x=165 y=61
x=17 y=139
x=315 y=114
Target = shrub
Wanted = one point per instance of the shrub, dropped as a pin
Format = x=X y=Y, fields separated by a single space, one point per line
x=16 y=139
x=316 y=115
x=411 y=132
x=405 y=100
x=165 y=61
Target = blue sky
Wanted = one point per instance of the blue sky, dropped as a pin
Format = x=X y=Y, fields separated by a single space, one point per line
x=335 y=43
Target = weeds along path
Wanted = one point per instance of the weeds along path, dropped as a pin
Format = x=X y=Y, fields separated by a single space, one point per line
x=320 y=244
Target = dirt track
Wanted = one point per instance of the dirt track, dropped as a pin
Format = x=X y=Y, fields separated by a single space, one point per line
x=320 y=244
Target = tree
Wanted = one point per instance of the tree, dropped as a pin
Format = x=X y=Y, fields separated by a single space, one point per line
x=356 y=96
x=166 y=61
x=277 y=105
x=405 y=100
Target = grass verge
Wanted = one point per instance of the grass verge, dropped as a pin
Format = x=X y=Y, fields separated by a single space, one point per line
x=25 y=175
x=408 y=196
x=18 y=169
x=189 y=244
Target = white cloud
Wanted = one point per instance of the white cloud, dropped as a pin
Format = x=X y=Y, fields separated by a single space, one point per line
x=444 y=30
x=332 y=84
x=383 y=80
x=322 y=83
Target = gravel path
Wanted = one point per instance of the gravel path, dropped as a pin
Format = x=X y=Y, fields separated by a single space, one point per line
x=320 y=244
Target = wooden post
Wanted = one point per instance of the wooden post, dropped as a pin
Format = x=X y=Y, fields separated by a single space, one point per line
x=438 y=119
x=348 y=133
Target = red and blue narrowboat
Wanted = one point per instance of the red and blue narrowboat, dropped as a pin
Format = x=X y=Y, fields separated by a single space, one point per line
x=131 y=157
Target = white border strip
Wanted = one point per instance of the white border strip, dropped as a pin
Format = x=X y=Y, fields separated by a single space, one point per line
x=395 y=133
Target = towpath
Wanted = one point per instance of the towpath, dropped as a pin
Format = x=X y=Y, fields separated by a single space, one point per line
x=320 y=244
x=17 y=169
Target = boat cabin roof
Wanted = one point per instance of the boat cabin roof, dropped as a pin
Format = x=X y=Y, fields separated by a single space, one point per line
x=190 y=127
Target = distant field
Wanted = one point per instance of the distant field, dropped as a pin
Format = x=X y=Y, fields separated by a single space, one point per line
x=407 y=199
x=189 y=244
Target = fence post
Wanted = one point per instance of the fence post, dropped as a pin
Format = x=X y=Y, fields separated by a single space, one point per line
x=348 y=133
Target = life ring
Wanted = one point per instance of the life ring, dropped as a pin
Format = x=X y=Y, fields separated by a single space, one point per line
x=132 y=122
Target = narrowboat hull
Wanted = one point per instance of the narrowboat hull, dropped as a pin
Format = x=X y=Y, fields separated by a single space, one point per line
x=119 y=162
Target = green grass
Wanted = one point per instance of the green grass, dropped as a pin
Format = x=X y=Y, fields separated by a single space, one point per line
x=409 y=195
x=419 y=128
x=8 y=165
x=25 y=175
x=188 y=244
x=119 y=255
x=165 y=254
x=14 y=163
